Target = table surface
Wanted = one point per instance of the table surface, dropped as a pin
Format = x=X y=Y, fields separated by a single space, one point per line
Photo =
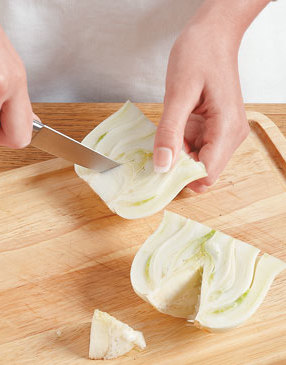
x=77 y=119
x=64 y=253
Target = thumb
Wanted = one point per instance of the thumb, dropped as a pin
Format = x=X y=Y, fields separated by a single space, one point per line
x=170 y=132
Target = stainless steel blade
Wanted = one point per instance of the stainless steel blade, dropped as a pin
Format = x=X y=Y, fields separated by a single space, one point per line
x=49 y=140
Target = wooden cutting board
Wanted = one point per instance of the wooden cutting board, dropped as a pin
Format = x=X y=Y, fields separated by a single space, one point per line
x=63 y=254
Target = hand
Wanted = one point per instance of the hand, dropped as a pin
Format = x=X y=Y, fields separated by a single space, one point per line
x=16 y=116
x=203 y=105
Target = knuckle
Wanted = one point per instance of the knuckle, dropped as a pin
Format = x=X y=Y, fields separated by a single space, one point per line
x=210 y=180
x=244 y=131
x=19 y=75
x=201 y=189
x=235 y=127
x=172 y=93
x=213 y=171
x=7 y=79
x=20 y=139
x=4 y=83
x=241 y=131
x=168 y=130
x=177 y=91
x=19 y=143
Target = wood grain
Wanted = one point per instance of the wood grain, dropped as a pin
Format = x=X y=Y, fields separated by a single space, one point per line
x=63 y=254
x=77 y=119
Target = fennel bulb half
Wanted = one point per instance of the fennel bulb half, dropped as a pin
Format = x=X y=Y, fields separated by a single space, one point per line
x=134 y=190
x=186 y=269
x=110 y=338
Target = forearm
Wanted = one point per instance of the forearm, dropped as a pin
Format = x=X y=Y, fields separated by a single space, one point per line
x=231 y=16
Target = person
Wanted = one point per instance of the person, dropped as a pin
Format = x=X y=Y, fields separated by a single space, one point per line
x=203 y=104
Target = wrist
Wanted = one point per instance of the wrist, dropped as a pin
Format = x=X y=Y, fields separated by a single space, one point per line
x=228 y=18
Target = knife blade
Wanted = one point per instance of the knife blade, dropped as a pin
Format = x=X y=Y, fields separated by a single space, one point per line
x=49 y=140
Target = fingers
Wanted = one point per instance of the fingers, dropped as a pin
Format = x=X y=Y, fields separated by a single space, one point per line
x=216 y=153
x=170 y=132
x=15 y=107
x=194 y=132
x=215 y=157
x=198 y=187
x=16 y=121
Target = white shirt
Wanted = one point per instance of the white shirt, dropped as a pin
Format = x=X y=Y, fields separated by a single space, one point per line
x=108 y=50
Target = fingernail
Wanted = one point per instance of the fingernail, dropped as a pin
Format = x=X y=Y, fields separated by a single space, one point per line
x=163 y=160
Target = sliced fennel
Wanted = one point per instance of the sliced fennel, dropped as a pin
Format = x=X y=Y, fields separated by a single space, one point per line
x=134 y=190
x=110 y=338
x=186 y=269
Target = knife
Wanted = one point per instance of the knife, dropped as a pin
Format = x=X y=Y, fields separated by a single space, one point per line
x=49 y=140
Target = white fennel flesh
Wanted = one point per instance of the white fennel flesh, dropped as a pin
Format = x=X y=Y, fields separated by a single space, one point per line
x=134 y=190
x=186 y=269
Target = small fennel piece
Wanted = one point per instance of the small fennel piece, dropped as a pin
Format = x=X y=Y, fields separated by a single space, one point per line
x=134 y=190
x=110 y=338
x=186 y=269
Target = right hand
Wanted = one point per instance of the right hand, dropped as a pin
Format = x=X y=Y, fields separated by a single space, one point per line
x=203 y=106
x=16 y=115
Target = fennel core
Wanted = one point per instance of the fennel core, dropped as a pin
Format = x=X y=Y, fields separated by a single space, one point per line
x=201 y=241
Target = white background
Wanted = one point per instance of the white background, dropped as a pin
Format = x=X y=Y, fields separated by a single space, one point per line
x=262 y=59
x=111 y=50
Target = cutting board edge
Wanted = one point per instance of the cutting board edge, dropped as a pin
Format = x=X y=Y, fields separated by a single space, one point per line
x=271 y=131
